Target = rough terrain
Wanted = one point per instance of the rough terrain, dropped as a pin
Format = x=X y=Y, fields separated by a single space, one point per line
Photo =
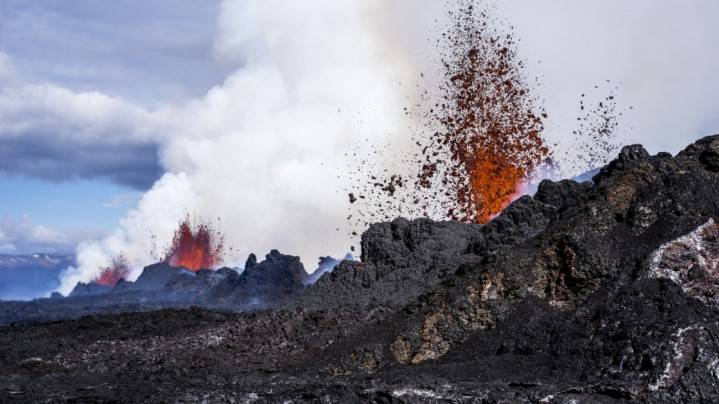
x=600 y=292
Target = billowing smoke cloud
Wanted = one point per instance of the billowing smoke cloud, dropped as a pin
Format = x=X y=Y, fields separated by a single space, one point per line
x=265 y=151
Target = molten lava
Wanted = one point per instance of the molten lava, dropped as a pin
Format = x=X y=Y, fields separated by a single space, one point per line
x=494 y=184
x=112 y=274
x=195 y=247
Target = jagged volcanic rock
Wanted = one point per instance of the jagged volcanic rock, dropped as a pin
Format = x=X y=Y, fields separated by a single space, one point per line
x=153 y=277
x=273 y=282
x=599 y=292
x=89 y=289
x=403 y=258
x=276 y=271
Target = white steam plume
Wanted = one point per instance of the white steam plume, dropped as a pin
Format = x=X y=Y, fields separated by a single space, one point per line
x=264 y=151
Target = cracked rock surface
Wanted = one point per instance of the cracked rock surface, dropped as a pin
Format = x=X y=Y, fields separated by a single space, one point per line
x=600 y=292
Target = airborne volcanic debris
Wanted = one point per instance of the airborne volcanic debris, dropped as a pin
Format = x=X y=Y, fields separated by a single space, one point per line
x=479 y=139
x=596 y=137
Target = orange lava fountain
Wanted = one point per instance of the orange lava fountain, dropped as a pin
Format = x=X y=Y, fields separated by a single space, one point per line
x=111 y=275
x=494 y=185
x=489 y=127
x=195 y=247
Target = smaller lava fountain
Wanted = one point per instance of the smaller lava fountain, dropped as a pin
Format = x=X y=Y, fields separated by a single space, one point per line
x=112 y=274
x=195 y=247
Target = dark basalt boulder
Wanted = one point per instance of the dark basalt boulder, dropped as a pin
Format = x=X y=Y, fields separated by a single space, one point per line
x=251 y=261
x=709 y=157
x=282 y=271
x=561 y=194
x=399 y=260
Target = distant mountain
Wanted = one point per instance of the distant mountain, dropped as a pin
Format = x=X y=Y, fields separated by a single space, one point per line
x=27 y=276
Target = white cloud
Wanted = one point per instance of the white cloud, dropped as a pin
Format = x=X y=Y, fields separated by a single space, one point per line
x=84 y=116
x=150 y=54
x=50 y=132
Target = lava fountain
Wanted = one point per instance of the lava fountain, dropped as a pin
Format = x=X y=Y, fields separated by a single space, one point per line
x=112 y=274
x=479 y=136
x=489 y=123
x=195 y=247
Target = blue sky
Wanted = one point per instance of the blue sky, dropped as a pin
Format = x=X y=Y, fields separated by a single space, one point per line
x=143 y=53
x=66 y=204
x=70 y=211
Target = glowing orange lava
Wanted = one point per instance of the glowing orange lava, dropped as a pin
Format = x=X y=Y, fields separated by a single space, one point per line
x=111 y=275
x=195 y=247
x=495 y=184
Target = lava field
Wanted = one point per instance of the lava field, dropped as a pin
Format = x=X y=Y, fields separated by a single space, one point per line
x=603 y=291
